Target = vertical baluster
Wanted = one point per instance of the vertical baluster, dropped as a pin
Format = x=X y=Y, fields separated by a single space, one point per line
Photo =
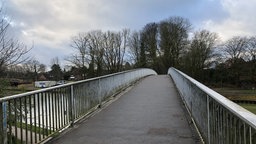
x=222 y=124
x=39 y=117
x=65 y=102
x=214 y=123
x=10 y=122
x=227 y=126
x=46 y=113
x=65 y=106
x=250 y=134
x=71 y=108
x=208 y=119
x=20 y=121
x=50 y=113
x=15 y=120
x=80 y=100
x=68 y=105
x=26 y=119
x=35 y=116
x=218 y=123
x=55 y=109
x=52 y=109
x=235 y=129
x=245 y=133
x=43 y=114
x=75 y=102
x=58 y=107
x=30 y=118
x=61 y=107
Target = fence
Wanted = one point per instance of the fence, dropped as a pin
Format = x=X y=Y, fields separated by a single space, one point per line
x=35 y=116
x=219 y=120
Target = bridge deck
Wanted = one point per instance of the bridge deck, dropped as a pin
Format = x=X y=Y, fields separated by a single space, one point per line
x=151 y=112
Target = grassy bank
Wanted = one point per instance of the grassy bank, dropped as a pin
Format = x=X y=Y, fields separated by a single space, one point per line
x=237 y=94
x=250 y=107
x=240 y=94
x=19 y=89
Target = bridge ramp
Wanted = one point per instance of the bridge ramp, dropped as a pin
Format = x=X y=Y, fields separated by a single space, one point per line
x=151 y=113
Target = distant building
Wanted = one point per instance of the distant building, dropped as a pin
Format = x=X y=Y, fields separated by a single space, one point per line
x=42 y=78
x=44 y=84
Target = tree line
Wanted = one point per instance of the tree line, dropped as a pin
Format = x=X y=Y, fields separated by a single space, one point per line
x=168 y=43
x=158 y=45
x=97 y=53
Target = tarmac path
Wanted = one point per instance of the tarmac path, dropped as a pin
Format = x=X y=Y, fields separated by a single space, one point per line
x=150 y=113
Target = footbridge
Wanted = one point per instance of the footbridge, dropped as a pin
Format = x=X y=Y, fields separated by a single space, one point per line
x=135 y=106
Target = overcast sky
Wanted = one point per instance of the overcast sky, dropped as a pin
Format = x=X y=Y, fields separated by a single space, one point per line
x=50 y=24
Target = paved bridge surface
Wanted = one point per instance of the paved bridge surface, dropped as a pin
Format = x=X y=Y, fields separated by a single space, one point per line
x=150 y=113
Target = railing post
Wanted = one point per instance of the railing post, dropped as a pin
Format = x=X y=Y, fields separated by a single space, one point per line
x=250 y=133
x=100 y=96
x=3 y=123
x=71 y=108
x=208 y=120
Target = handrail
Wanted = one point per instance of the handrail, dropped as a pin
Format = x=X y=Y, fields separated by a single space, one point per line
x=34 y=116
x=216 y=116
x=68 y=84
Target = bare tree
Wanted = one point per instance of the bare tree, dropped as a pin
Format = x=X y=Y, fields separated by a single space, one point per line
x=115 y=45
x=122 y=45
x=32 y=66
x=203 y=45
x=11 y=51
x=200 y=53
x=110 y=53
x=251 y=49
x=149 y=42
x=173 y=34
x=42 y=68
x=96 y=52
x=55 y=61
x=134 y=47
x=80 y=44
x=80 y=58
x=16 y=71
x=235 y=50
x=235 y=47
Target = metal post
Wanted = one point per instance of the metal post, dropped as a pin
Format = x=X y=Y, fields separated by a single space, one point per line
x=244 y=132
x=100 y=96
x=250 y=135
x=3 y=123
x=208 y=120
x=71 y=105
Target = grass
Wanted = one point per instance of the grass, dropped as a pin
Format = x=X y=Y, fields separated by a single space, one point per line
x=20 y=89
x=240 y=94
x=13 y=139
x=250 y=107
x=237 y=94
x=34 y=128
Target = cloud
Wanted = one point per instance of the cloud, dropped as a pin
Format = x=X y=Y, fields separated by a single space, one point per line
x=239 y=22
x=50 y=24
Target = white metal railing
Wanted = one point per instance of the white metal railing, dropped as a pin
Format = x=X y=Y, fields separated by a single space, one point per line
x=34 y=116
x=219 y=120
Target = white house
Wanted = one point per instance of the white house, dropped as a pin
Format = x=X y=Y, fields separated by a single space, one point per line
x=44 y=84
